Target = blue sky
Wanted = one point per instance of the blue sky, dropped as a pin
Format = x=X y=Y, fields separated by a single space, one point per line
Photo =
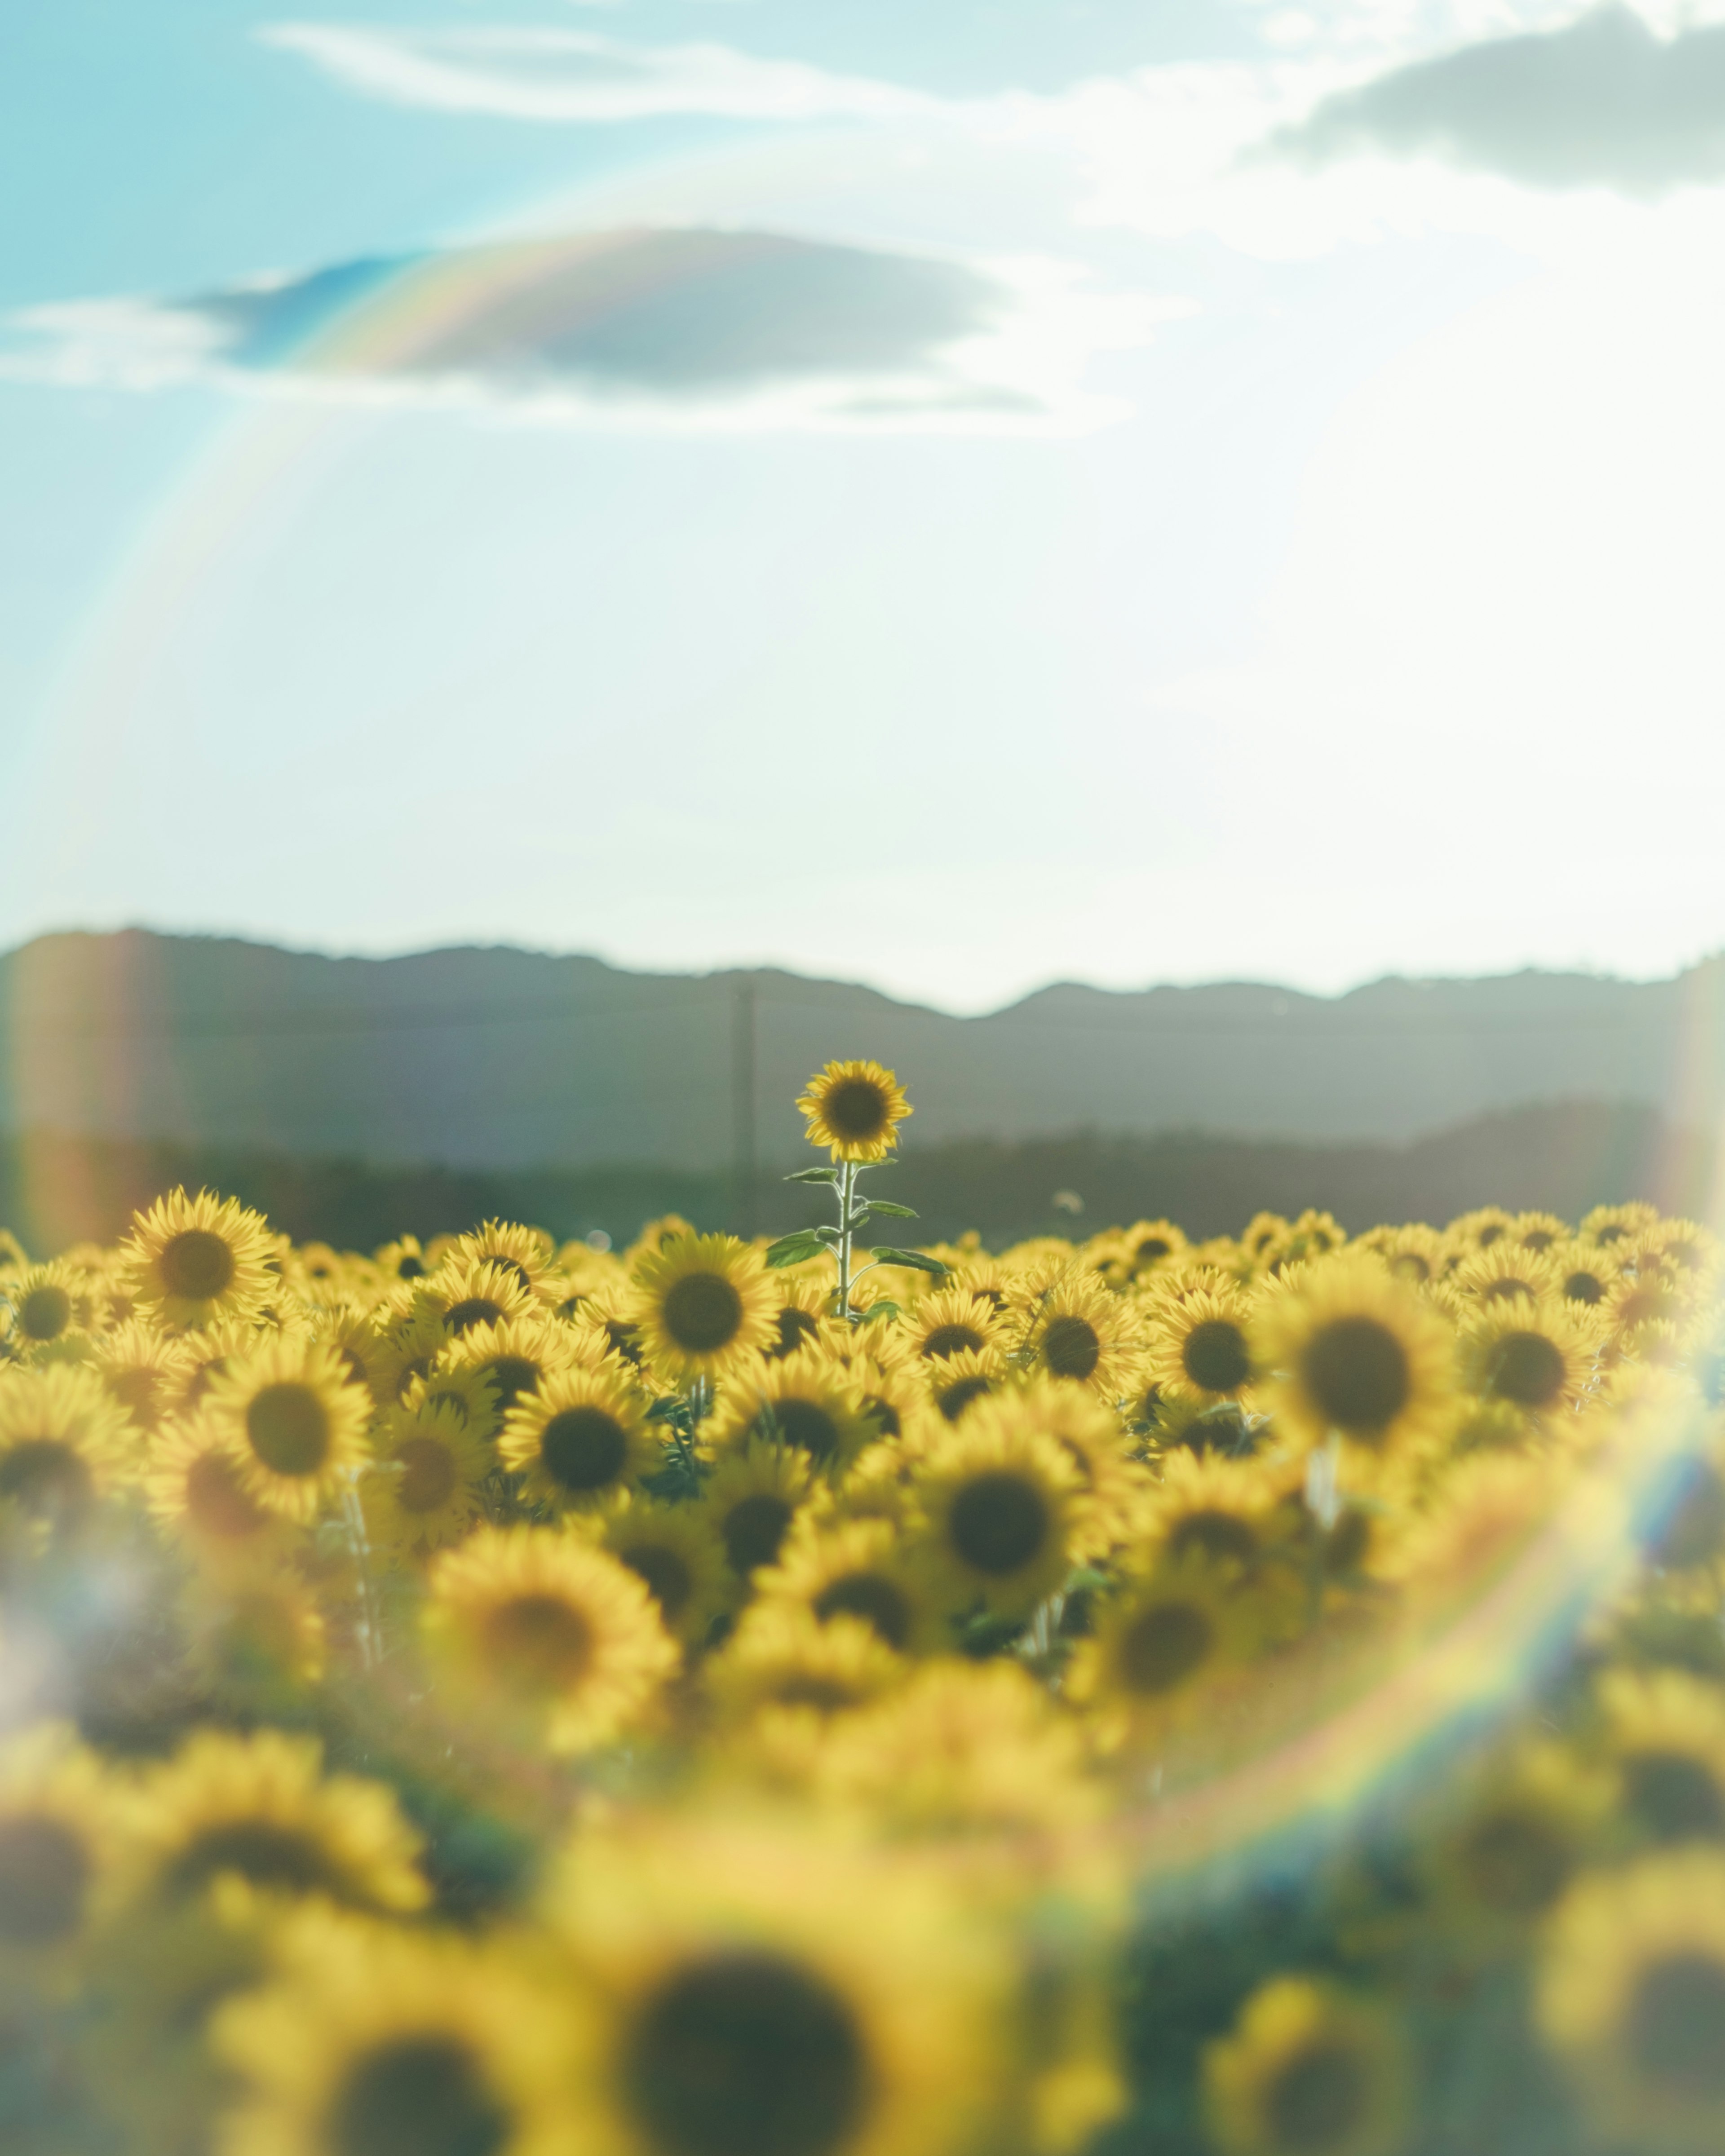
x=953 y=497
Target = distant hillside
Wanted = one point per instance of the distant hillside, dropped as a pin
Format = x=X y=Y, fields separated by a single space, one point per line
x=1563 y=1158
x=509 y=1059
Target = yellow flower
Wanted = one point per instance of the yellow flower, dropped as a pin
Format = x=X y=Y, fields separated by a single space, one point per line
x=853 y=1570
x=704 y=1305
x=373 y=2042
x=45 y=1303
x=1000 y=1497
x=957 y=1382
x=851 y=1108
x=1199 y=1341
x=1631 y=1994
x=468 y=1291
x=63 y=1441
x=260 y=1807
x=296 y=1424
x=527 y=1253
x=772 y=1993
x=1223 y=1510
x=1081 y=1331
x=1110 y=1485
x=1353 y=1351
x=963 y=1745
x=197 y=1487
x=806 y=1402
x=1535 y=1355
x=1309 y=2071
x=143 y=1370
x=1520 y=1835
x=550 y=1629
x=515 y=1357
x=62 y=1827
x=751 y=1500
x=675 y=1549
x=782 y=1666
x=955 y=1321
x=1158 y=1643
x=581 y=1439
x=1665 y=1737
x=426 y=1486
x=196 y=1261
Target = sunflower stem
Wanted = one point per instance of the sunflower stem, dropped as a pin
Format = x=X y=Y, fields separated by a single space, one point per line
x=354 y=1518
x=847 y=1194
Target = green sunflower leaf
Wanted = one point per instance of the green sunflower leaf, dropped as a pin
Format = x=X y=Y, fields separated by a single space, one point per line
x=814 y=1175
x=884 y=1254
x=892 y=1212
x=797 y=1249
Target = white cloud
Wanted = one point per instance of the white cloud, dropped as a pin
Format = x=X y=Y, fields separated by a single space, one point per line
x=553 y=76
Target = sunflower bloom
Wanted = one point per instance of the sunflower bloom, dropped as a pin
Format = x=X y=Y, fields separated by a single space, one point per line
x=852 y=1109
x=704 y=1305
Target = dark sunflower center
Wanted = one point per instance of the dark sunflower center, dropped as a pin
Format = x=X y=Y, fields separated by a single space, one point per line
x=46 y=1475
x=746 y=2055
x=1613 y=1232
x=289 y=1428
x=703 y=1313
x=511 y=1376
x=877 y=1600
x=855 y=1109
x=1527 y=1368
x=216 y=1501
x=270 y=1855
x=410 y=1268
x=1507 y=1290
x=472 y=1310
x=808 y=1425
x=883 y=1414
x=45 y=1312
x=753 y=1529
x=1152 y=1248
x=1356 y=1371
x=999 y=1523
x=427 y=1477
x=1317 y=2102
x=44 y=1875
x=1410 y=1264
x=666 y=1574
x=1674 y=1796
x=1213 y=1356
x=583 y=1448
x=1071 y=1347
x=1583 y=1286
x=540 y=1641
x=957 y=1396
x=416 y=2096
x=1214 y=1533
x=1163 y=1646
x=956 y=1339
x=1676 y=2026
x=795 y=1327
x=196 y=1264
x=1494 y=1233
x=1517 y=1861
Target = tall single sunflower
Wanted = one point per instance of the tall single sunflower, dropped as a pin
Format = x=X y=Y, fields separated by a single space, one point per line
x=704 y=1305
x=581 y=1439
x=773 y=1992
x=552 y=1631
x=1354 y=1351
x=196 y=1261
x=1309 y=2071
x=296 y=1424
x=852 y=1108
x=261 y=1808
x=1631 y=1996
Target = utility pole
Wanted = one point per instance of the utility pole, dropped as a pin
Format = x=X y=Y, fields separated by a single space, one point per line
x=742 y=1105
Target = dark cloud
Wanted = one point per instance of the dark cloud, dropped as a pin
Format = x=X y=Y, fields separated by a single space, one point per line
x=669 y=312
x=1603 y=102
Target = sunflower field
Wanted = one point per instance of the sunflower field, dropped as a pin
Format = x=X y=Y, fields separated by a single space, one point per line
x=836 y=1697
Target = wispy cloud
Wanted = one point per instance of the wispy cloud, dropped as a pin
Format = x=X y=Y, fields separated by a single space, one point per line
x=552 y=75
x=685 y=328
